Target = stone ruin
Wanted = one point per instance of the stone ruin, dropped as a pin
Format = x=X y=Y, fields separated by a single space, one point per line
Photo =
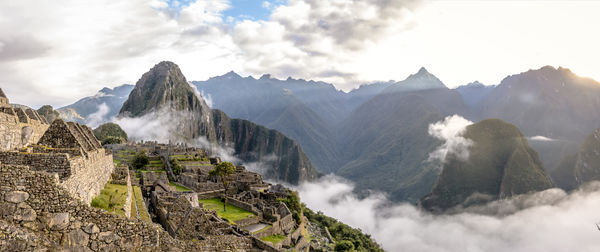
x=19 y=127
x=71 y=151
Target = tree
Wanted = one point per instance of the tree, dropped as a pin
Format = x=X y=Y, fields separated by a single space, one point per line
x=140 y=160
x=343 y=246
x=223 y=170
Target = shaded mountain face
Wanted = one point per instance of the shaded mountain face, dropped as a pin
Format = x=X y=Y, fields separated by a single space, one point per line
x=500 y=164
x=164 y=91
x=581 y=167
x=306 y=111
x=113 y=98
x=474 y=92
x=548 y=102
x=385 y=143
x=380 y=143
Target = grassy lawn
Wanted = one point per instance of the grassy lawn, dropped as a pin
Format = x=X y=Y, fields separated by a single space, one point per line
x=141 y=206
x=276 y=238
x=233 y=213
x=112 y=199
x=180 y=188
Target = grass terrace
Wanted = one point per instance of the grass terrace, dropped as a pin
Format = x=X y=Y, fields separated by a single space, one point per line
x=180 y=188
x=233 y=213
x=138 y=200
x=274 y=239
x=112 y=199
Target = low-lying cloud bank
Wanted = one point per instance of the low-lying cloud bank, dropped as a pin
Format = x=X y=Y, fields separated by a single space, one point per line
x=551 y=220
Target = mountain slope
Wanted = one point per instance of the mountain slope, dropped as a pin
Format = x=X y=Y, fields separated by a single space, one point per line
x=500 y=164
x=165 y=91
x=385 y=143
x=113 y=98
x=302 y=110
x=474 y=92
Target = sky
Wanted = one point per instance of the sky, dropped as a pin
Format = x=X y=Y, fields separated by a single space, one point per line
x=56 y=52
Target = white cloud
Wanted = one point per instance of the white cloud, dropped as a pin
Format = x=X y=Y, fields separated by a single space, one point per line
x=541 y=138
x=57 y=51
x=548 y=221
x=95 y=119
x=450 y=131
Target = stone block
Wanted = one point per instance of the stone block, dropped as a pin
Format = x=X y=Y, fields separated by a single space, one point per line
x=16 y=196
x=58 y=221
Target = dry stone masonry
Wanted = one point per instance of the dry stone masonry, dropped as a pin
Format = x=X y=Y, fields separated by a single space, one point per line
x=18 y=127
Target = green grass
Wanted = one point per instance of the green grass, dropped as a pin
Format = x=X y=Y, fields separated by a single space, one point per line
x=141 y=206
x=233 y=213
x=180 y=188
x=117 y=162
x=275 y=239
x=112 y=199
x=262 y=229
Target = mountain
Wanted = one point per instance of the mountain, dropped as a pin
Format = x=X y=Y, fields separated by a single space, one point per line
x=474 y=92
x=164 y=91
x=112 y=98
x=581 y=167
x=306 y=111
x=500 y=164
x=385 y=142
x=49 y=113
x=549 y=102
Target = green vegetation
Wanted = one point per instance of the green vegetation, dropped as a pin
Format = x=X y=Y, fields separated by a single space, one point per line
x=112 y=199
x=180 y=188
x=503 y=164
x=262 y=229
x=139 y=201
x=233 y=213
x=140 y=160
x=110 y=133
x=175 y=166
x=344 y=245
x=274 y=239
x=294 y=204
x=223 y=170
x=49 y=113
x=342 y=232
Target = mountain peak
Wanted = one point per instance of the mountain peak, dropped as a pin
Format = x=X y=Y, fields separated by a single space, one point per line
x=475 y=84
x=265 y=77
x=232 y=75
x=422 y=80
x=163 y=85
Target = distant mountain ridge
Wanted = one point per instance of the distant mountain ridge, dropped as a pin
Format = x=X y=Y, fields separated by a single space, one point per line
x=164 y=89
x=113 y=98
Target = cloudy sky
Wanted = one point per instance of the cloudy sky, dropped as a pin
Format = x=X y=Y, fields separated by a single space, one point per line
x=55 y=52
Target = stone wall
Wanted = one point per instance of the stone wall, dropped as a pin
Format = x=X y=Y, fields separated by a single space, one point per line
x=36 y=213
x=83 y=177
x=15 y=134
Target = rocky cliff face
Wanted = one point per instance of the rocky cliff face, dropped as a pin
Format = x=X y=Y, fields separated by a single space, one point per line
x=501 y=164
x=164 y=89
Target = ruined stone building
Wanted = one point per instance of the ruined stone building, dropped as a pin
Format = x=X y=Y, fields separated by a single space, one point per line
x=71 y=151
x=19 y=127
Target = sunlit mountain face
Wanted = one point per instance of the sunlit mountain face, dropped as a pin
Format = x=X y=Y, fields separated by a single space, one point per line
x=409 y=125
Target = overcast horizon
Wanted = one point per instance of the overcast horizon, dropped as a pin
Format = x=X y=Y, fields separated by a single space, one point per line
x=58 y=52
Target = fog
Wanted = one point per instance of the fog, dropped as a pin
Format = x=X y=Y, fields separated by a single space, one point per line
x=450 y=131
x=551 y=220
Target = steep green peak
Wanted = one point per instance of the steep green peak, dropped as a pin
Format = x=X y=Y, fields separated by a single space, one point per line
x=163 y=85
x=501 y=164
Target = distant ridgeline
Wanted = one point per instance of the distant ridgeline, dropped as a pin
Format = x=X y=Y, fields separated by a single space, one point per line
x=164 y=91
x=377 y=135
